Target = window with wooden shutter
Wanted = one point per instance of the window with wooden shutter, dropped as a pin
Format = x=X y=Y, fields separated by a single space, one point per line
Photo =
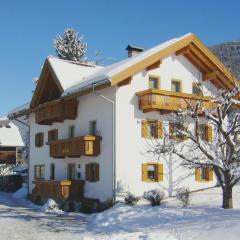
x=52 y=135
x=175 y=133
x=39 y=171
x=39 y=139
x=203 y=174
x=92 y=172
x=152 y=172
x=152 y=129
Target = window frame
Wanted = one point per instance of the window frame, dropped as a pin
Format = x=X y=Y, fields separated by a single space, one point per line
x=41 y=171
x=71 y=131
x=92 y=172
x=93 y=131
x=157 y=78
x=39 y=139
x=176 y=81
x=53 y=135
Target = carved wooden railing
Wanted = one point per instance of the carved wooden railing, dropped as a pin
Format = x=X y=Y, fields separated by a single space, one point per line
x=56 y=111
x=75 y=147
x=167 y=101
x=64 y=190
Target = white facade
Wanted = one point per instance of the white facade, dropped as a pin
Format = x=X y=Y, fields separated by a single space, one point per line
x=130 y=150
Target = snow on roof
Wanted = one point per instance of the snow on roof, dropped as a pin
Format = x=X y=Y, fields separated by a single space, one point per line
x=19 y=109
x=71 y=73
x=107 y=72
x=10 y=135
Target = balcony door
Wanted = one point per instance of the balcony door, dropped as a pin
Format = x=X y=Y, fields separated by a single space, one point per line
x=71 y=171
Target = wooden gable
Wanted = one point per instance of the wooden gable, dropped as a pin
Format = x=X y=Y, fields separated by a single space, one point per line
x=48 y=87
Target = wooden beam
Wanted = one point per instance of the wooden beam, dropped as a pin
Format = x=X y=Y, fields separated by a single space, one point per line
x=183 y=51
x=210 y=76
x=125 y=82
x=154 y=65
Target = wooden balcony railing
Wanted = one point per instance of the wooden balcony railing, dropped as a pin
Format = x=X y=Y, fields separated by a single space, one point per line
x=63 y=190
x=75 y=147
x=56 y=111
x=167 y=101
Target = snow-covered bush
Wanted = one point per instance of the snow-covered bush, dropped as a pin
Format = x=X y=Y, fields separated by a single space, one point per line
x=183 y=195
x=131 y=199
x=50 y=206
x=154 y=196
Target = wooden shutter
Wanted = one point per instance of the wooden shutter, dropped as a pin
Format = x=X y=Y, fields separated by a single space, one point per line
x=144 y=172
x=36 y=140
x=160 y=172
x=159 y=129
x=96 y=177
x=87 y=172
x=209 y=133
x=145 y=129
x=41 y=139
x=171 y=130
x=197 y=174
x=210 y=173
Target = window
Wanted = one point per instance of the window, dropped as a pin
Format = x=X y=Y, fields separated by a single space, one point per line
x=39 y=171
x=152 y=172
x=176 y=86
x=93 y=128
x=52 y=135
x=204 y=174
x=92 y=172
x=153 y=82
x=52 y=171
x=204 y=131
x=196 y=89
x=175 y=131
x=71 y=131
x=152 y=129
x=39 y=139
x=71 y=171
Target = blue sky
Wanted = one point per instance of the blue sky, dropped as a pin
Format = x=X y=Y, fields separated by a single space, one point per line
x=29 y=27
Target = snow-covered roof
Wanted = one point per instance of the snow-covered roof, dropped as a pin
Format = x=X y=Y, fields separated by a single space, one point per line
x=19 y=109
x=10 y=135
x=71 y=73
x=108 y=71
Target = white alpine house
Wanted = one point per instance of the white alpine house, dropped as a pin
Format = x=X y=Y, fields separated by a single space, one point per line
x=91 y=127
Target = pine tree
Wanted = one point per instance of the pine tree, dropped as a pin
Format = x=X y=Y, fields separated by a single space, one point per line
x=70 y=46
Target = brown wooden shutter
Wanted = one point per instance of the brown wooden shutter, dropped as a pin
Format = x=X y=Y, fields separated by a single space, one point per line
x=171 y=130
x=210 y=174
x=41 y=139
x=87 y=172
x=197 y=174
x=159 y=129
x=144 y=172
x=96 y=165
x=209 y=133
x=160 y=172
x=145 y=129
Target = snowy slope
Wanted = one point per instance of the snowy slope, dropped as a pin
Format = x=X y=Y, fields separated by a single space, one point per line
x=203 y=219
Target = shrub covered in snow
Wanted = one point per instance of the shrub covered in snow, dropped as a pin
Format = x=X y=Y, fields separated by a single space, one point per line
x=183 y=195
x=50 y=206
x=154 y=196
x=131 y=199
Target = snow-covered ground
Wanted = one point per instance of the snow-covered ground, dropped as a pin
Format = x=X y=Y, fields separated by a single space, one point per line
x=203 y=219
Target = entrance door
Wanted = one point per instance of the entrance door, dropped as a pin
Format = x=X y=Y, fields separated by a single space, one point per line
x=71 y=171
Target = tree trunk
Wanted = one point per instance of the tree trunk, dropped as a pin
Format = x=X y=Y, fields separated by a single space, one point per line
x=227 y=197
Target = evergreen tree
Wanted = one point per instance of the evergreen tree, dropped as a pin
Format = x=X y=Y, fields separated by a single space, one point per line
x=70 y=46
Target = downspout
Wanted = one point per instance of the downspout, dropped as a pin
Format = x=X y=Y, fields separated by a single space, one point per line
x=113 y=140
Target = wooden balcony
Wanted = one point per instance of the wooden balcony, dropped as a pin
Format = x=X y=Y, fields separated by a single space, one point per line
x=63 y=190
x=56 y=111
x=75 y=147
x=168 y=101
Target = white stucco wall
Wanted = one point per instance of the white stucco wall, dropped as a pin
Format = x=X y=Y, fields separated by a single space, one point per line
x=132 y=149
x=90 y=107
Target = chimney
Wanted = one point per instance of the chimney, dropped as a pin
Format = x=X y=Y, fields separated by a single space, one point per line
x=133 y=50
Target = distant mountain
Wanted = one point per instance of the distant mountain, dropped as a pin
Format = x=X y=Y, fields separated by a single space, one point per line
x=229 y=54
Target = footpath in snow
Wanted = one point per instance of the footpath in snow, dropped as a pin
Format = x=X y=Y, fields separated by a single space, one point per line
x=203 y=219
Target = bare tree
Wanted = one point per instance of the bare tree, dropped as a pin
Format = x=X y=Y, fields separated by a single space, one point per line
x=222 y=153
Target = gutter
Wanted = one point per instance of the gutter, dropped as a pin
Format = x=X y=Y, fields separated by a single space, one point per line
x=113 y=140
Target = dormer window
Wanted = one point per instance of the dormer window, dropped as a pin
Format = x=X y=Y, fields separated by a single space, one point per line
x=153 y=82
